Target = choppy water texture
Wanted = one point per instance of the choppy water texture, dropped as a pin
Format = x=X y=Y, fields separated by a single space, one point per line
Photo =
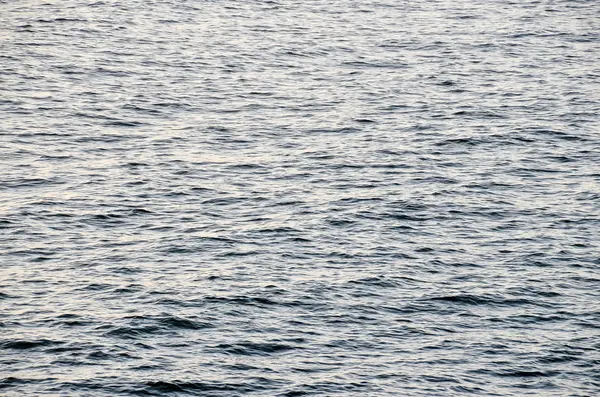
x=289 y=198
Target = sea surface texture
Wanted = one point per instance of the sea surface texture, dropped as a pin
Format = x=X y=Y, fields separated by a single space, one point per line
x=299 y=198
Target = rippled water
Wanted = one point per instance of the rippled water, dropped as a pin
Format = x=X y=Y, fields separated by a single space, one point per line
x=287 y=198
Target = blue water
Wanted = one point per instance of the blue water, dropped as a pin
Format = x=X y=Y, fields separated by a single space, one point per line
x=299 y=198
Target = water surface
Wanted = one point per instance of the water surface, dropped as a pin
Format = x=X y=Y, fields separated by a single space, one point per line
x=289 y=198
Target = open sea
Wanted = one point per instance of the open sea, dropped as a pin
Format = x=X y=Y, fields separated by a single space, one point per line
x=230 y=198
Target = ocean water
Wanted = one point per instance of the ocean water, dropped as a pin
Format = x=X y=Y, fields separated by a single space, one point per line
x=299 y=198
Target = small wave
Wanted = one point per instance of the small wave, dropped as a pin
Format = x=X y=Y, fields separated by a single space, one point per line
x=182 y=323
x=61 y=19
x=526 y=373
x=460 y=141
x=28 y=344
x=12 y=381
x=341 y=130
x=254 y=349
x=469 y=299
x=126 y=332
x=29 y=182
x=377 y=281
x=244 y=300
x=121 y=123
x=197 y=387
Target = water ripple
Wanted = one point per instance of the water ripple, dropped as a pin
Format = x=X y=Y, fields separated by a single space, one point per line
x=227 y=198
